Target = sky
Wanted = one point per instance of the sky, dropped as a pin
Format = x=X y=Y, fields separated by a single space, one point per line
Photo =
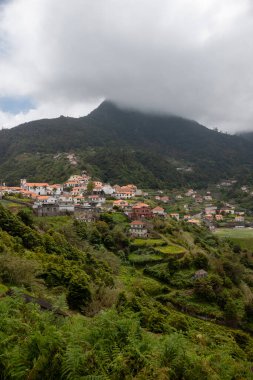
x=192 y=58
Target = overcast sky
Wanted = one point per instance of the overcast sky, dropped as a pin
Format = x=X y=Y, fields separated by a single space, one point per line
x=192 y=58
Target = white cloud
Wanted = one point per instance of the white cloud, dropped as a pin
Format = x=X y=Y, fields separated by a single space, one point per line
x=188 y=57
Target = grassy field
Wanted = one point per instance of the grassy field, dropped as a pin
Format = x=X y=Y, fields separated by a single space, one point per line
x=241 y=236
x=14 y=207
x=138 y=259
x=149 y=242
x=171 y=249
x=54 y=222
x=159 y=245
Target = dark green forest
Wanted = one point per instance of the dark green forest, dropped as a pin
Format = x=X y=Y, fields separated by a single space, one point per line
x=122 y=146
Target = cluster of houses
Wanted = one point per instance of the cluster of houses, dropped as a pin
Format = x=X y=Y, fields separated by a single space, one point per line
x=81 y=196
x=86 y=198
x=226 y=214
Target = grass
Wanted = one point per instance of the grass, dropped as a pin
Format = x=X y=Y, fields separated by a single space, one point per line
x=13 y=207
x=240 y=236
x=171 y=249
x=55 y=222
x=135 y=258
x=133 y=279
x=193 y=305
x=3 y=289
x=119 y=218
x=148 y=242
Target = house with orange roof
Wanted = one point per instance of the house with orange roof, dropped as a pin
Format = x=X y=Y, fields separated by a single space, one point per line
x=46 y=199
x=194 y=221
x=165 y=199
x=141 y=211
x=124 y=192
x=138 y=229
x=56 y=189
x=40 y=188
x=79 y=199
x=66 y=198
x=71 y=184
x=97 y=184
x=28 y=194
x=13 y=189
x=175 y=215
x=158 y=211
x=120 y=203
x=77 y=191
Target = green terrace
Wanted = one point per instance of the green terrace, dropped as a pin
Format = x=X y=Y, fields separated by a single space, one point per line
x=153 y=250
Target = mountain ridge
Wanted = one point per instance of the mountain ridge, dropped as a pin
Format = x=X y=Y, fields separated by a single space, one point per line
x=120 y=145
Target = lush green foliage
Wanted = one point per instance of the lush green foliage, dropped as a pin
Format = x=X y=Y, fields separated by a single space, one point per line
x=121 y=322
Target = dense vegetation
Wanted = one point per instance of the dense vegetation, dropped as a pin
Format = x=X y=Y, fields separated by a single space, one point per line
x=112 y=319
x=124 y=146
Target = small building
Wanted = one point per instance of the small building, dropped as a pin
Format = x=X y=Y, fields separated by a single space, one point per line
x=40 y=188
x=227 y=210
x=201 y=273
x=108 y=189
x=209 y=216
x=165 y=199
x=96 y=198
x=87 y=215
x=194 y=221
x=140 y=211
x=158 y=211
x=46 y=209
x=239 y=218
x=52 y=209
x=210 y=210
x=120 y=203
x=138 y=229
x=190 y=193
x=175 y=216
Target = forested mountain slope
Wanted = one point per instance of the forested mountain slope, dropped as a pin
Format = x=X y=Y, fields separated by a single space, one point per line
x=122 y=145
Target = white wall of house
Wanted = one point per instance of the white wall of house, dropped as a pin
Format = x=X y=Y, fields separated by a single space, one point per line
x=39 y=190
x=138 y=232
x=123 y=195
x=108 y=190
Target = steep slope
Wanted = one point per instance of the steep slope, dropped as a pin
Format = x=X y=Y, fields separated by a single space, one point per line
x=124 y=145
x=121 y=321
x=246 y=135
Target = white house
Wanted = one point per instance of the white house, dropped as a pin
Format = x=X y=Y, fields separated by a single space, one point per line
x=158 y=211
x=39 y=188
x=96 y=199
x=108 y=189
x=138 y=229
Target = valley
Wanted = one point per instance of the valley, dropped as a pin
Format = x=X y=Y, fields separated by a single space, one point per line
x=97 y=271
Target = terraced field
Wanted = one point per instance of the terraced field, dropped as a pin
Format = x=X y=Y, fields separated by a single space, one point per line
x=161 y=249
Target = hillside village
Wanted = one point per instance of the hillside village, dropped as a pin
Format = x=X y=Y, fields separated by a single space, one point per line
x=86 y=198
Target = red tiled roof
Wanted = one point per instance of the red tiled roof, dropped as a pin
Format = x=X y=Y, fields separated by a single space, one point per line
x=140 y=205
x=36 y=184
x=158 y=208
x=136 y=222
